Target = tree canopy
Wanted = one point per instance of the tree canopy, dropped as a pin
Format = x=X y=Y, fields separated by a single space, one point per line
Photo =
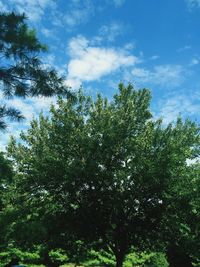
x=22 y=73
x=106 y=172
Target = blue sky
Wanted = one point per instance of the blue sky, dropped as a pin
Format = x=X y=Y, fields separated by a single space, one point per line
x=98 y=43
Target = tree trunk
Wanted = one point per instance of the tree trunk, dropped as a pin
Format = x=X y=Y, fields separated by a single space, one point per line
x=178 y=258
x=46 y=260
x=119 y=259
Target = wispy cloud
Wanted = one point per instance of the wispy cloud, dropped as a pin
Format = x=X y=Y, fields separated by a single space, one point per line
x=73 y=13
x=154 y=57
x=78 y=12
x=110 y=32
x=89 y=63
x=118 y=3
x=193 y=3
x=184 y=48
x=163 y=75
x=178 y=104
x=194 y=61
x=34 y=9
x=47 y=32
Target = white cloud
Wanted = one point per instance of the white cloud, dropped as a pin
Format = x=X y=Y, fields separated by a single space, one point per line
x=30 y=108
x=73 y=83
x=21 y=105
x=164 y=75
x=193 y=3
x=18 y=103
x=42 y=103
x=185 y=105
x=89 y=63
x=77 y=46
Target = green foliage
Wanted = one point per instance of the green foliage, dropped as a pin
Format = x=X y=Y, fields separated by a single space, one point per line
x=6 y=169
x=99 y=258
x=26 y=257
x=6 y=176
x=22 y=72
x=157 y=260
x=183 y=232
x=100 y=170
x=58 y=256
x=78 y=251
x=137 y=259
x=145 y=259
x=133 y=259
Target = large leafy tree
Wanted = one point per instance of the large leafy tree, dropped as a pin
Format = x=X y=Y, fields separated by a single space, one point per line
x=183 y=220
x=22 y=73
x=103 y=171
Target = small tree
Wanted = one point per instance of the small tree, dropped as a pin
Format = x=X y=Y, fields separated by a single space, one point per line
x=106 y=170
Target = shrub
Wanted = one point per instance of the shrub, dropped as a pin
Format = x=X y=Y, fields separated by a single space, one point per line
x=27 y=257
x=157 y=260
x=58 y=256
x=99 y=258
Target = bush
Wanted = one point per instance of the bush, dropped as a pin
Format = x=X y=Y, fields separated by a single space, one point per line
x=133 y=259
x=58 y=256
x=94 y=258
x=157 y=260
x=99 y=258
x=137 y=259
x=24 y=257
x=146 y=259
